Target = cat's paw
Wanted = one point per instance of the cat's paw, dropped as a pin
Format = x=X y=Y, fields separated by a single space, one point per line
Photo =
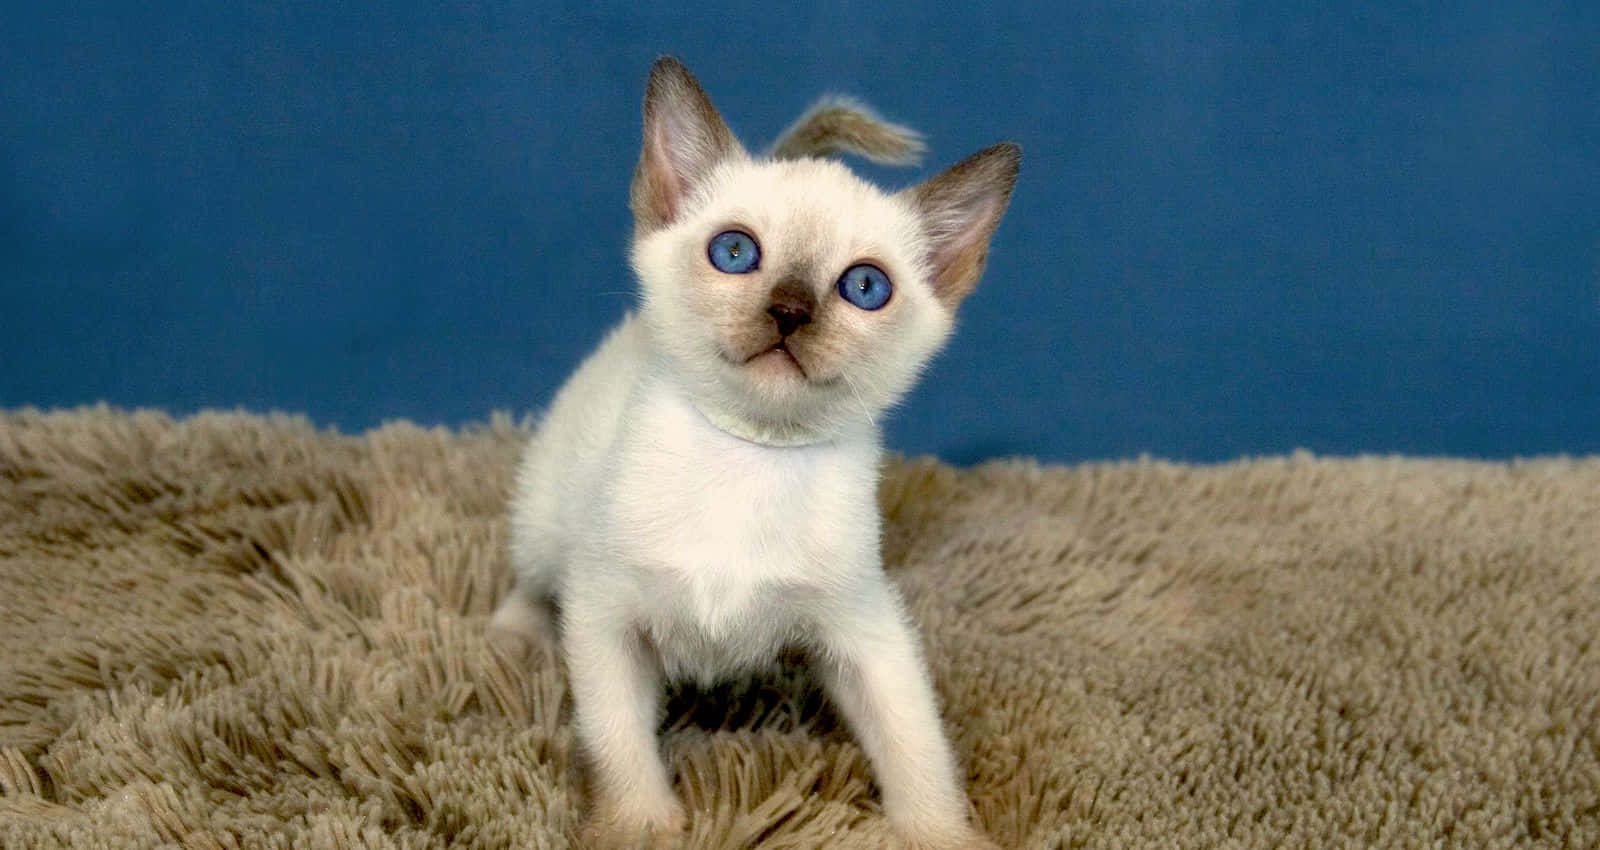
x=629 y=825
x=958 y=838
x=976 y=841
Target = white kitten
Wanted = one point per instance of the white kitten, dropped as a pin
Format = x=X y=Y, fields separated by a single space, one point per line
x=701 y=492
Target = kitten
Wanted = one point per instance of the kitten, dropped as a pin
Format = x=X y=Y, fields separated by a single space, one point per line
x=702 y=491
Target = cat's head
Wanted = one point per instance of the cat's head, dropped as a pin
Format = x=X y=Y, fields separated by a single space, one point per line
x=789 y=291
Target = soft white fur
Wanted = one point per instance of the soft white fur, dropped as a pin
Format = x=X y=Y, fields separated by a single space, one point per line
x=676 y=549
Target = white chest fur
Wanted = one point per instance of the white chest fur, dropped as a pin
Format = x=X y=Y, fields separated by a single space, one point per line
x=731 y=546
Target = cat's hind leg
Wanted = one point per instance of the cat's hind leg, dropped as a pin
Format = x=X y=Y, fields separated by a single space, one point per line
x=525 y=620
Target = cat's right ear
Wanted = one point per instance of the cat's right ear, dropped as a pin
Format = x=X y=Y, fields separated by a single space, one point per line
x=684 y=138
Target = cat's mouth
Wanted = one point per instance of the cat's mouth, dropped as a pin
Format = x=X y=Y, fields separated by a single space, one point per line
x=776 y=360
x=777 y=355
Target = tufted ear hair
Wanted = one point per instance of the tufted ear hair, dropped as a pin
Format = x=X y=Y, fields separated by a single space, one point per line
x=684 y=138
x=960 y=210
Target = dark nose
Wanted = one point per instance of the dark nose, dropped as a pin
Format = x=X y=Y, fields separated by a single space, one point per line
x=789 y=317
x=791 y=308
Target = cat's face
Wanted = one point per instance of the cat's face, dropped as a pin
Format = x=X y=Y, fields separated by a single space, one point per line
x=743 y=291
x=792 y=291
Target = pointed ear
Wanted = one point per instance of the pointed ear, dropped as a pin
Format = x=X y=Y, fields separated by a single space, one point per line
x=960 y=210
x=684 y=138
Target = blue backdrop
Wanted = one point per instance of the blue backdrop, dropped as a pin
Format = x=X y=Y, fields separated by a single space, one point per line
x=1242 y=227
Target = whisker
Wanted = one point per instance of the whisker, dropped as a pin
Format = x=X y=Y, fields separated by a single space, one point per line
x=867 y=411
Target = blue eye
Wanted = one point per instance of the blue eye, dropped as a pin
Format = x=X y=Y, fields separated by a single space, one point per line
x=865 y=286
x=734 y=252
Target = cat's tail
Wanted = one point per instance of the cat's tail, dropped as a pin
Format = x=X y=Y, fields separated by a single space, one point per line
x=838 y=124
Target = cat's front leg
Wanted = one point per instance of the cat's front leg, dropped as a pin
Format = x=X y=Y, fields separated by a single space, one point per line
x=616 y=689
x=873 y=671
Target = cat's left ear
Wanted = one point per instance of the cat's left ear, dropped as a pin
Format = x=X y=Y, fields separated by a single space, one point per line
x=960 y=210
x=684 y=138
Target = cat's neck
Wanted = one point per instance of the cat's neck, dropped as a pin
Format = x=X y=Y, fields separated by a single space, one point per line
x=778 y=436
x=781 y=435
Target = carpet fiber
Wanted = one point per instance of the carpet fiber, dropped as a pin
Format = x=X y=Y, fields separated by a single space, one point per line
x=239 y=631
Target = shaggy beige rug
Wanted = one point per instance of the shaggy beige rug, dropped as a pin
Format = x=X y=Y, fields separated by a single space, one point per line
x=236 y=631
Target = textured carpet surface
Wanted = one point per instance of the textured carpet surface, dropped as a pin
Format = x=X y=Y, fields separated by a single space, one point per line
x=238 y=631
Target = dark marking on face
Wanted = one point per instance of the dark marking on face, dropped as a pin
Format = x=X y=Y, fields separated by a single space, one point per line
x=791 y=305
